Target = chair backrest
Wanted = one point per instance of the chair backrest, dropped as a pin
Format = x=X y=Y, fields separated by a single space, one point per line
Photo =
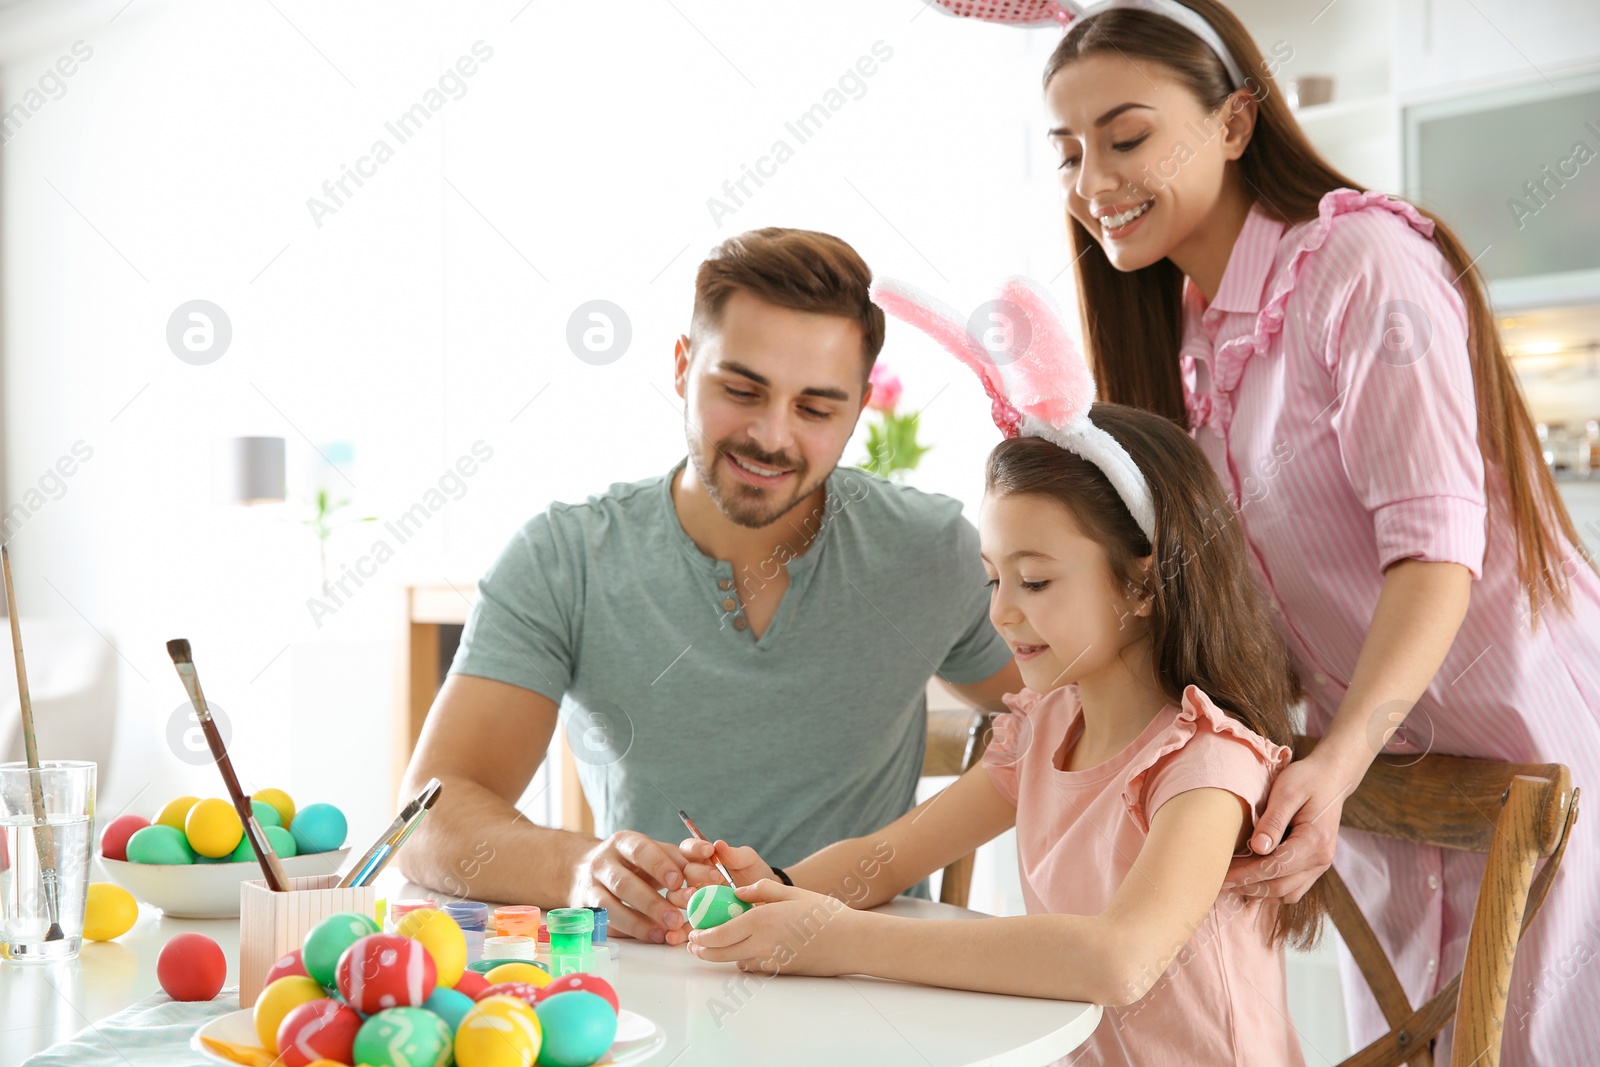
x=956 y=740
x=1515 y=814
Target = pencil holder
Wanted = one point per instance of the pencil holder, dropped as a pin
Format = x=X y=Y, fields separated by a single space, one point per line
x=272 y=925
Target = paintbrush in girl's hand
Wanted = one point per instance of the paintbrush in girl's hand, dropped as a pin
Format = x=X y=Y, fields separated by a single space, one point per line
x=44 y=838
x=271 y=868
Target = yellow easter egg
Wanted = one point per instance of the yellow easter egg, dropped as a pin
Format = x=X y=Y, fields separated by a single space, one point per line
x=278 y=1000
x=175 y=812
x=498 y=1031
x=443 y=939
x=518 y=971
x=110 y=912
x=213 y=828
x=280 y=802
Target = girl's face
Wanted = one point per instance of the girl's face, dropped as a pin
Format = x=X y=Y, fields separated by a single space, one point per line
x=1142 y=160
x=1053 y=595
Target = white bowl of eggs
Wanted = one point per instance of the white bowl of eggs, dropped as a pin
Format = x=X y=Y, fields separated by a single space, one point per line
x=191 y=859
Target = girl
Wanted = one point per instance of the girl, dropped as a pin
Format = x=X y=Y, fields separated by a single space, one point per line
x=1332 y=352
x=1133 y=767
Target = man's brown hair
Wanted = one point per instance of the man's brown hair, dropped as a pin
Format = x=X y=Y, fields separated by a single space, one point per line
x=799 y=269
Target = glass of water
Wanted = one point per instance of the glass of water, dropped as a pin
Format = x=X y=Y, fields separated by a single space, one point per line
x=44 y=868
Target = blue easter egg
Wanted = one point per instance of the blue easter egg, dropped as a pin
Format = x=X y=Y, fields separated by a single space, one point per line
x=449 y=1005
x=318 y=828
x=579 y=1028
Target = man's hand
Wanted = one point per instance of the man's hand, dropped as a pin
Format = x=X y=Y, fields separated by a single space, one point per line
x=791 y=931
x=625 y=874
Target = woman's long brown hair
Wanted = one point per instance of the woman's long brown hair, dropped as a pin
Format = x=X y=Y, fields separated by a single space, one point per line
x=1133 y=320
x=1209 y=625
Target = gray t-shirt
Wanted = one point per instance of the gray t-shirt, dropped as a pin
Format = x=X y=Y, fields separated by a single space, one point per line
x=813 y=733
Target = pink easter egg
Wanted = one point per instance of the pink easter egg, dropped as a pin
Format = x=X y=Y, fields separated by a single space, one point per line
x=114 y=842
x=526 y=992
x=386 y=971
x=472 y=984
x=318 y=1030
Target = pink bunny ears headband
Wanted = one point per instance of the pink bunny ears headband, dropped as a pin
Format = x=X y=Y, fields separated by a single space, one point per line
x=1038 y=384
x=1042 y=12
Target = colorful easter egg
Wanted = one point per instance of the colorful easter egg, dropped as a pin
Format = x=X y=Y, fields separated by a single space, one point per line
x=471 y=983
x=325 y=942
x=318 y=1030
x=175 y=811
x=280 y=802
x=449 y=1005
x=109 y=912
x=191 y=967
x=442 y=937
x=159 y=844
x=319 y=828
x=713 y=905
x=213 y=828
x=277 y=1000
x=520 y=990
x=114 y=841
x=265 y=813
x=519 y=971
x=499 y=1032
x=282 y=841
x=385 y=971
x=589 y=983
x=285 y=966
x=403 y=1037
x=578 y=1026
x=485 y=966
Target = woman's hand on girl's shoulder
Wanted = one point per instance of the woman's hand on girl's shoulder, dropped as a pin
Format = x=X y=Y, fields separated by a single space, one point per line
x=1294 y=840
x=790 y=931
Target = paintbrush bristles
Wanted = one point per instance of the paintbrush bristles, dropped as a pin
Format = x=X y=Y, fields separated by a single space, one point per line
x=178 y=649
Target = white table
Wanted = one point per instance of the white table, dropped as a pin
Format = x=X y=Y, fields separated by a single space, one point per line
x=713 y=1014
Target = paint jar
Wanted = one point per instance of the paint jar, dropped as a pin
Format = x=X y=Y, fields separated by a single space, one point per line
x=516 y=919
x=473 y=918
x=509 y=947
x=571 y=948
x=400 y=908
x=601 y=920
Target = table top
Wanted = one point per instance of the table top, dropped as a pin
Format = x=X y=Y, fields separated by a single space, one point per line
x=712 y=1013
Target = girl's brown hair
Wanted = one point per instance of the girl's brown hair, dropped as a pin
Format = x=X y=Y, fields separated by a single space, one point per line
x=1209 y=624
x=1133 y=320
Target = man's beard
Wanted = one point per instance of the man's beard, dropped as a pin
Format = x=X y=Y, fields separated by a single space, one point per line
x=745 y=504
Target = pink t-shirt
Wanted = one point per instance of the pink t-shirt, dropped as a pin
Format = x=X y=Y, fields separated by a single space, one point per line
x=1222 y=1000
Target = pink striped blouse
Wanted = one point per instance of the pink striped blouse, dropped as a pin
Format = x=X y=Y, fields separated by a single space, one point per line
x=1329 y=384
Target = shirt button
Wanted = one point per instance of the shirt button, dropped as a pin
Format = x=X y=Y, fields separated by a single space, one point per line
x=739 y=623
x=1433 y=881
x=725 y=584
x=729 y=604
x=1320 y=678
x=1433 y=965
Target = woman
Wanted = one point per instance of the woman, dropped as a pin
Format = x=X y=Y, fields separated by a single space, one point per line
x=1333 y=353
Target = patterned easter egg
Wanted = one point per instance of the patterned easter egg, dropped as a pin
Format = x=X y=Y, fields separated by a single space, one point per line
x=277 y=1000
x=318 y=1030
x=286 y=965
x=713 y=905
x=589 y=983
x=325 y=942
x=442 y=937
x=404 y=1037
x=499 y=1032
x=520 y=990
x=579 y=1028
x=386 y=971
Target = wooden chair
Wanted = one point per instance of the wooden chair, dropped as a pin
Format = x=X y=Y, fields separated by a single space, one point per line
x=1515 y=813
x=956 y=740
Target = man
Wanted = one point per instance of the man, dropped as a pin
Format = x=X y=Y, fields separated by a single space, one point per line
x=747 y=638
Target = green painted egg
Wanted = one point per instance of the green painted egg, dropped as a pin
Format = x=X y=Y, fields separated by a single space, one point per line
x=265 y=813
x=713 y=905
x=281 y=840
x=326 y=942
x=159 y=844
x=404 y=1037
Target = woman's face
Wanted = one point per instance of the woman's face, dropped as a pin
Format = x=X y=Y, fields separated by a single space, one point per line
x=1142 y=161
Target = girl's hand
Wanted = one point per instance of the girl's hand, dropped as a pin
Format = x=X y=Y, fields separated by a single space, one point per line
x=792 y=931
x=1307 y=799
x=743 y=864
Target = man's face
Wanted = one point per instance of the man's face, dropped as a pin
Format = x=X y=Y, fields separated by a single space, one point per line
x=771 y=397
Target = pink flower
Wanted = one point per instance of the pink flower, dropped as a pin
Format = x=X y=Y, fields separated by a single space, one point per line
x=886 y=389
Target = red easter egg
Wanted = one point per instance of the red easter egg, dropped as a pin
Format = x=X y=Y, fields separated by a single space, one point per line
x=386 y=971
x=191 y=967
x=318 y=1030
x=472 y=984
x=286 y=966
x=114 y=841
x=526 y=992
x=588 y=983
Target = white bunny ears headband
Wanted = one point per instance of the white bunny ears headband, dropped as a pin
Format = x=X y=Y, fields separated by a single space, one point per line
x=1042 y=12
x=1039 y=386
